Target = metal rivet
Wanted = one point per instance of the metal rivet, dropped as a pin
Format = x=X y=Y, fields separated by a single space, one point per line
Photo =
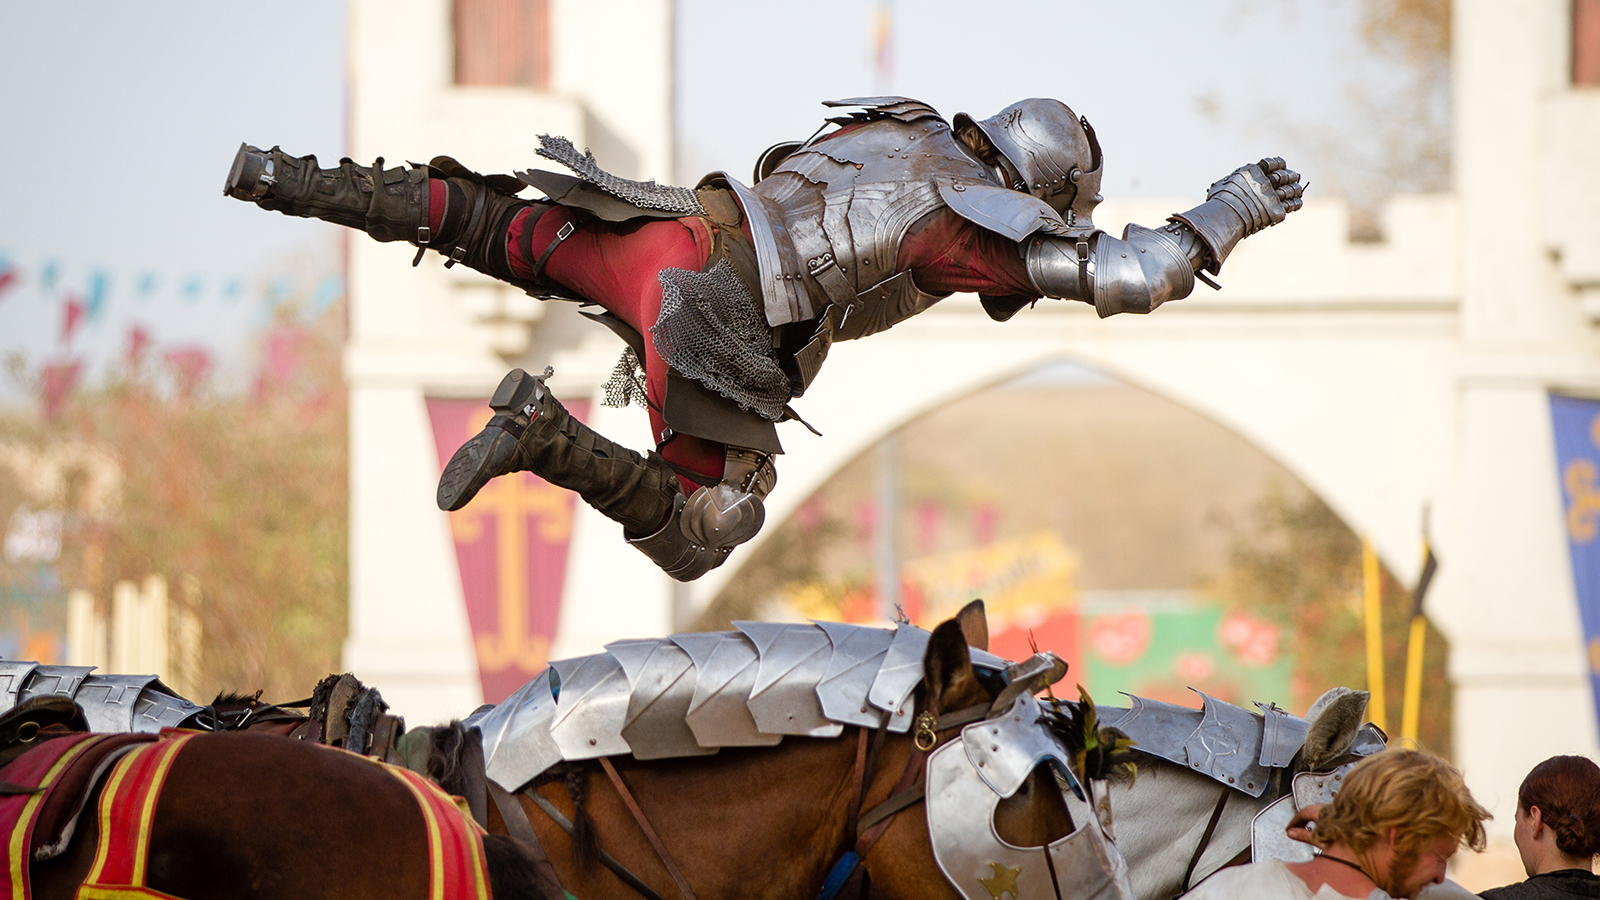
x=1250 y=784
x=1230 y=779
x=995 y=749
x=863 y=709
x=592 y=742
x=980 y=763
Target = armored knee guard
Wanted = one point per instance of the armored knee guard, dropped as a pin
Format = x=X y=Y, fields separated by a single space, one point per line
x=706 y=526
x=730 y=512
x=677 y=555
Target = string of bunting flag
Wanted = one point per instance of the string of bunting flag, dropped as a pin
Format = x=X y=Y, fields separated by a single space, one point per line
x=84 y=294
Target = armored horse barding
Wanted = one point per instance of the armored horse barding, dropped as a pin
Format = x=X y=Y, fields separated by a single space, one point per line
x=762 y=763
x=1218 y=785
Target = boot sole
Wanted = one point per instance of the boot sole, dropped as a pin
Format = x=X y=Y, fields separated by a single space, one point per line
x=244 y=178
x=485 y=456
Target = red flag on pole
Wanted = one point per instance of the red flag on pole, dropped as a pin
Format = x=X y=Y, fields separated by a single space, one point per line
x=56 y=381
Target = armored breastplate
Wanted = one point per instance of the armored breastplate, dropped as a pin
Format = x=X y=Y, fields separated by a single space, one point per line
x=828 y=219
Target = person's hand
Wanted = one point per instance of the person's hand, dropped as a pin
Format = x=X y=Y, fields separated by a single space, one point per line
x=1304 y=822
x=1262 y=193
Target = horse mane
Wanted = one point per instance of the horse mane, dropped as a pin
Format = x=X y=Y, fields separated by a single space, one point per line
x=227 y=698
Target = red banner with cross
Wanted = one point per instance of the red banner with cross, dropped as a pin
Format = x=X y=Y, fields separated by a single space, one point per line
x=511 y=551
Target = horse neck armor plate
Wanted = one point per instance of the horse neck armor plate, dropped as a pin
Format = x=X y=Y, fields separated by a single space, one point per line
x=1223 y=741
x=962 y=798
x=111 y=703
x=691 y=694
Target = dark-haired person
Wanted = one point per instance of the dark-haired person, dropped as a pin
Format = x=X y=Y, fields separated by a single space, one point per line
x=1557 y=832
x=1388 y=833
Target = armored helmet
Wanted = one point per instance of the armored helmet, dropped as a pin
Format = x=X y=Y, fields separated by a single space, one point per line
x=1047 y=151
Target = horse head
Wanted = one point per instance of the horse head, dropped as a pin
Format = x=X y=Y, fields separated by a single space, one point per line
x=995 y=760
x=1214 y=783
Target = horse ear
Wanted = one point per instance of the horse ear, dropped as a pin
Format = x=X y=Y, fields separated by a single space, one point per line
x=947 y=671
x=1335 y=719
x=974 y=624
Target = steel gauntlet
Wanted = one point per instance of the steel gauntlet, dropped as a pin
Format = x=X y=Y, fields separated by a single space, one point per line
x=1136 y=273
x=1250 y=199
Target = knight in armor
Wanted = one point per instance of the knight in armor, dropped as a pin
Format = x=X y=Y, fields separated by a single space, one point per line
x=730 y=295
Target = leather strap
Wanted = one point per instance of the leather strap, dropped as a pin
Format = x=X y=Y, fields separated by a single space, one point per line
x=644 y=825
x=476 y=781
x=606 y=859
x=1205 y=839
x=562 y=233
x=521 y=831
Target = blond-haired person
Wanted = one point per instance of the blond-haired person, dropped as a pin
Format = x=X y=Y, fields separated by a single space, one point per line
x=1388 y=833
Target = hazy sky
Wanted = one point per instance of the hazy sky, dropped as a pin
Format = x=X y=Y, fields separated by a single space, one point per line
x=118 y=122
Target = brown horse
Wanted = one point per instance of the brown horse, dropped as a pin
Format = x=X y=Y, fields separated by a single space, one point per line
x=258 y=815
x=769 y=823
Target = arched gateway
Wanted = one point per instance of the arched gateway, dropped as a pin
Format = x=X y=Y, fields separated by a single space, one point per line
x=1389 y=377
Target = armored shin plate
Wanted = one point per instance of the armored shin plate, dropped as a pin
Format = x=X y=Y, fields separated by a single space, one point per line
x=858 y=653
x=719 y=713
x=661 y=682
x=517 y=745
x=13 y=675
x=591 y=707
x=981 y=866
x=793 y=659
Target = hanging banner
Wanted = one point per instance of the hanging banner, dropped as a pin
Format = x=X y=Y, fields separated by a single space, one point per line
x=511 y=550
x=1577 y=432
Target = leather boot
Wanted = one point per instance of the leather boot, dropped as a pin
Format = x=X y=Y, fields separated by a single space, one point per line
x=392 y=204
x=532 y=432
x=389 y=204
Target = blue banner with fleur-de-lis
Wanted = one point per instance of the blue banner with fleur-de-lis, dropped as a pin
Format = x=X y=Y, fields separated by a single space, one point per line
x=1577 y=432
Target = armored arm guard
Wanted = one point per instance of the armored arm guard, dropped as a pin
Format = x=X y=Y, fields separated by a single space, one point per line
x=1250 y=199
x=1136 y=273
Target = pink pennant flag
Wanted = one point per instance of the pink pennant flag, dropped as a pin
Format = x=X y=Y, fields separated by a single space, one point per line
x=190 y=365
x=138 y=344
x=8 y=280
x=72 y=317
x=56 y=381
x=284 y=346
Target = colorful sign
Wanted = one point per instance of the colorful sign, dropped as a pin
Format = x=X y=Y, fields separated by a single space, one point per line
x=1156 y=644
x=1160 y=645
x=1577 y=433
x=511 y=551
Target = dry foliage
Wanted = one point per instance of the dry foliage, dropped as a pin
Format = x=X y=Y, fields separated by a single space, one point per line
x=244 y=496
x=1299 y=560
